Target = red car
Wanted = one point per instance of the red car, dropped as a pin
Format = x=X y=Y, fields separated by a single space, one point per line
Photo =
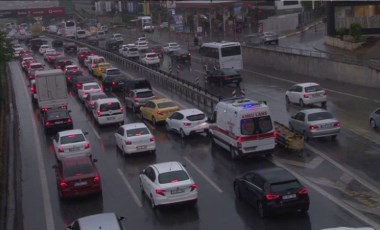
x=77 y=176
x=24 y=53
x=26 y=64
x=83 y=54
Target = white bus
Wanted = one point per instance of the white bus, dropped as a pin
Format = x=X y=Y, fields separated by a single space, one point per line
x=144 y=21
x=69 y=29
x=221 y=55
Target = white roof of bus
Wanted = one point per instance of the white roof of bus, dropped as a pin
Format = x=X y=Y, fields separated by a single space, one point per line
x=221 y=44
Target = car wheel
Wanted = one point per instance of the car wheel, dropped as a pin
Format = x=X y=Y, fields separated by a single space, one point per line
x=287 y=100
x=167 y=127
x=152 y=202
x=134 y=109
x=305 y=136
x=141 y=187
x=302 y=104
x=324 y=104
x=333 y=137
x=237 y=191
x=154 y=120
x=234 y=153
x=153 y=152
x=373 y=123
x=182 y=133
x=261 y=210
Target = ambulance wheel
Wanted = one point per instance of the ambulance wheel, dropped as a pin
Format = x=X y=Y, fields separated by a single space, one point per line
x=234 y=153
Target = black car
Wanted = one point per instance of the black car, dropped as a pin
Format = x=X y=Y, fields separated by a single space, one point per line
x=70 y=47
x=62 y=62
x=92 y=40
x=57 y=43
x=36 y=43
x=71 y=74
x=139 y=83
x=112 y=45
x=180 y=55
x=272 y=191
x=223 y=76
x=114 y=83
x=57 y=119
x=158 y=49
x=79 y=80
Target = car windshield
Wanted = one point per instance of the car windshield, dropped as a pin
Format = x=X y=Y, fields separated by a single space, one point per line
x=257 y=125
x=36 y=66
x=144 y=94
x=89 y=87
x=109 y=106
x=229 y=71
x=313 y=88
x=319 y=116
x=288 y=185
x=77 y=168
x=196 y=117
x=174 y=176
x=113 y=71
x=151 y=55
x=166 y=104
x=53 y=115
x=133 y=49
x=72 y=138
x=137 y=132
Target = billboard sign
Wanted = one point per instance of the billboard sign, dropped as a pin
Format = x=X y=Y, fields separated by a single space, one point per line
x=35 y=12
x=178 y=23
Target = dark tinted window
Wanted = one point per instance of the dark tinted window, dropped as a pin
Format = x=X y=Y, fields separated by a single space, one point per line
x=140 y=85
x=319 y=116
x=231 y=51
x=196 y=117
x=70 y=23
x=133 y=49
x=137 y=132
x=209 y=52
x=256 y=125
x=36 y=66
x=311 y=89
x=109 y=106
x=73 y=138
x=145 y=94
x=165 y=104
x=87 y=87
x=77 y=169
x=113 y=72
x=278 y=187
x=56 y=115
x=174 y=176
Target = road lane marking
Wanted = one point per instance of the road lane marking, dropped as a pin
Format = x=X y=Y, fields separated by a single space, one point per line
x=311 y=165
x=341 y=204
x=349 y=173
x=203 y=175
x=137 y=200
x=94 y=130
x=49 y=220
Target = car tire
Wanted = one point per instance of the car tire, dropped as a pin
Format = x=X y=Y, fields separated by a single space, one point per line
x=234 y=153
x=152 y=203
x=305 y=136
x=333 y=137
x=167 y=127
x=261 y=210
x=372 y=122
x=154 y=120
x=324 y=104
x=141 y=187
x=287 y=99
x=134 y=109
x=237 y=191
x=302 y=104
x=182 y=133
x=153 y=152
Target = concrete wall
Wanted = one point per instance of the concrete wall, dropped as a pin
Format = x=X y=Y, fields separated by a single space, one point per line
x=314 y=67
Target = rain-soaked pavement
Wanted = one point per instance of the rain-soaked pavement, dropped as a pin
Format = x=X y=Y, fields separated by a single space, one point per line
x=341 y=175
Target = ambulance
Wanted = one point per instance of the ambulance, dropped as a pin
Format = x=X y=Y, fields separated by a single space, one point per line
x=243 y=127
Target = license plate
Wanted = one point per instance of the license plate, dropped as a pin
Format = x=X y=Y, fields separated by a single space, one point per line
x=141 y=147
x=110 y=118
x=324 y=126
x=82 y=183
x=58 y=122
x=177 y=191
x=287 y=197
x=74 y=149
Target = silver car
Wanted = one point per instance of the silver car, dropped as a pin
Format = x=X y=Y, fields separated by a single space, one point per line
x=109 y=221
x=374 y=118
x=138 y=97
x=314 y=123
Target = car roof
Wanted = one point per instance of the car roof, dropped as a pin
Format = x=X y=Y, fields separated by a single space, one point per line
x=314 y=110
x=107 y=221
x=71 y=131
x=55 y=110
x=35 y=63
x=134 y=125
x=96 y=93
x=141 y=90
x=159 y=100
x=74 y=160
x=151 y=53
x=106 y=100
x=306 y=84
x=275 y=174
x=168 y=166
x=187 y=112
x=71 y=66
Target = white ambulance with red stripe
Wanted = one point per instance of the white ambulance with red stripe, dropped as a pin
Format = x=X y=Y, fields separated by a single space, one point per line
x=243 y=127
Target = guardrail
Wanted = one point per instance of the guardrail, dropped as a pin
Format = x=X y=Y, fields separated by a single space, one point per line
x=190 y=92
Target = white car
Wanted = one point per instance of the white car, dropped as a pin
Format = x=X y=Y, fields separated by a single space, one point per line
x=71 y=143
x=148 y=28
x=150 y=59
x=43 y=48
x=88 y=87
x=142 y=39
x=17 y=51
x=306 y=94
x=71 y=68
x=187 y=122
x=168 y=183
x=131 y=52
x=123 y=48
x=142 y=46
x=108 y=111
x=118 y=37
x=135 y=138
x=164 y=25
x=109 y=221
x=171 y=46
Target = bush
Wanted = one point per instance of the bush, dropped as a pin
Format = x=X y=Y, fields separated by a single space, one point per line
x=341 y=32
x=356 y=31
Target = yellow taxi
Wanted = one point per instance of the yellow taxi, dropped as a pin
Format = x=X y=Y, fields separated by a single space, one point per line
x=157 y=110
x=100 y=68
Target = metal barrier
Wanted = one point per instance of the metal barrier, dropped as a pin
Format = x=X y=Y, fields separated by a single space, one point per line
x=190 y=92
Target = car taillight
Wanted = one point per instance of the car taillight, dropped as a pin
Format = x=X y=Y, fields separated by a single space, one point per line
x=160 y=113
x=128 y=142
x=60 y=149
x=96 y=179
x=152 y=139
x=238 y=141
x=135 y=99
x=47 y=123
x=337 y=124
x=313 y=127
x=324 y=92
x=98 y=112
x=113 y=83
x=87 y=146
x=270 y=196
x=275 y=134
x=32 y=89
x=44 y=110
x=186 y=123
x=69 y=78
x=62 y=184
x=193 y=187
x=306 y=95
x=79 y=85
x=92 y=103
x=68 y=120
x=121 y=109
x=303 y=191
x=160 y=192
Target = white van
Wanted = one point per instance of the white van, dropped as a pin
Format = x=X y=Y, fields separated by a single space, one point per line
x=108 y=111
x=81 y=34
x=243 y=127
